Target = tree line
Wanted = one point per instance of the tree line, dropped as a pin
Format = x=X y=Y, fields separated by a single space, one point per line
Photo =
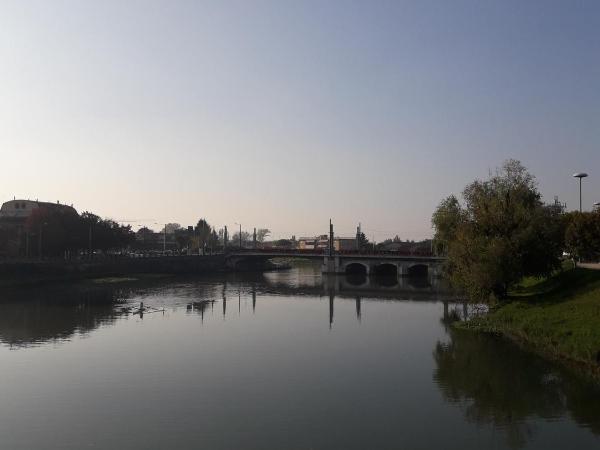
x=56 y=231
x=502 y=231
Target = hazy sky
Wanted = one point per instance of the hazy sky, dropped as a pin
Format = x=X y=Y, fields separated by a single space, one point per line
x=283 y=114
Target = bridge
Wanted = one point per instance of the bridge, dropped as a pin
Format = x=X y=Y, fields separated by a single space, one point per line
x=347 y=262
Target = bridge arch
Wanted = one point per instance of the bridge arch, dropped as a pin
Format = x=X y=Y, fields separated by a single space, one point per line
x=385 y=269
x=356 y=268
x=418 y=270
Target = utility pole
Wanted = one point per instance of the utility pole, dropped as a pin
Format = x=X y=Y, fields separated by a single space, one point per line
x=165 y=240
x=330 y=238
x=254 y=239
x=225 y=238
x=240 y=236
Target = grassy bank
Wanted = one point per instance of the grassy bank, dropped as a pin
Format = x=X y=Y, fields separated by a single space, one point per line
x=558 y=317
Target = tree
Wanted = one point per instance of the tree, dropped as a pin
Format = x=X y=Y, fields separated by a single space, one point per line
x=171 y=228
x=183 y=237
x=105 y=233
x=60 y=230
x=502 y=233
x=582 y=235
x=363 y=242
x=235 y=239
x=261 y=234
x=446 y=220
x=55 y=230
x=203 y=232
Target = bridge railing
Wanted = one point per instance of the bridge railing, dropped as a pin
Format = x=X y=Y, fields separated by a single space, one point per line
x=321 y=251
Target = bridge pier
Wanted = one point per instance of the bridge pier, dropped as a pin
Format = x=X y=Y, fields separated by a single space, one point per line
x=402 y=270
x=331 y=264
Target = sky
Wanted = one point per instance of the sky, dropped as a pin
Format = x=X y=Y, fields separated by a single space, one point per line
x=284 y=114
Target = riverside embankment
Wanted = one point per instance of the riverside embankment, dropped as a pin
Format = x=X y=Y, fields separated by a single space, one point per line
x=557 y=317
x=31 y=272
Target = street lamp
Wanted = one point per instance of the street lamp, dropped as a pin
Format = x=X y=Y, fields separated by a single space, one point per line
x=580 y=175
x=240 y=233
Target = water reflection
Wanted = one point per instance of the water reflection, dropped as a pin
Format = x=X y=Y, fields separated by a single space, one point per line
x=496 y=384
x=36 y=315
x=356 y=279
x=199 y=307
x=316 y=354
x=33 y=316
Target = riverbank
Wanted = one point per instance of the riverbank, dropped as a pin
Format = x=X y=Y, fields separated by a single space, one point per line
x=16 y=273
x=558 y=317
x=31 y=272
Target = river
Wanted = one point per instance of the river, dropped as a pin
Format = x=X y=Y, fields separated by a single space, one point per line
x=283 y=360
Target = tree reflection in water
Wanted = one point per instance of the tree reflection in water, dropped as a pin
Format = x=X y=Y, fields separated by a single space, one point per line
x=34 y=316
x=500 y=385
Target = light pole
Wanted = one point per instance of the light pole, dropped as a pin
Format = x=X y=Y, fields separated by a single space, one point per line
x=240 y=234
x=580 y=175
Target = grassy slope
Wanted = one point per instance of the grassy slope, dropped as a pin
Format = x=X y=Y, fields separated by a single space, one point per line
x=559 y=317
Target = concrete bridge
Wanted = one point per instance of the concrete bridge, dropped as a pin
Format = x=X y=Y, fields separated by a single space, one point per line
x=350 y=263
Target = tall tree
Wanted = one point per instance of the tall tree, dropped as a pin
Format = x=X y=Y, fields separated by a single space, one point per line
x=582 y=235
x=171 y=228
x=203 y=232
x=235 y=239
x=502 y=233
x=363 y=241
x=262 y=233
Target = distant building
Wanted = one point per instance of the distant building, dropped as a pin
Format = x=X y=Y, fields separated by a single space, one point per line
x=344 y=243
x=322 y=243
x=13 y=217
x=20 y=210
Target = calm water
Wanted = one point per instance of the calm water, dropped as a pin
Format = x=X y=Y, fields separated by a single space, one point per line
x=277 y=361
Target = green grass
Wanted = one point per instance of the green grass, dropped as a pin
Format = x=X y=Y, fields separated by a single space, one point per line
x=558 y=317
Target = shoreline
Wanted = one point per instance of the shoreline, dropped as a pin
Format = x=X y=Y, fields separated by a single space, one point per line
x=557 y=318
x=35 y=273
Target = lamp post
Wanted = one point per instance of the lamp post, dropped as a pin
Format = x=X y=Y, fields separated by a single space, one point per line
x=240 y=234
x=580 y=175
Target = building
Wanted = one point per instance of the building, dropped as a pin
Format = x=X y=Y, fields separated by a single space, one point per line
x=20 y=210
x=13 y=219
x=321 y=243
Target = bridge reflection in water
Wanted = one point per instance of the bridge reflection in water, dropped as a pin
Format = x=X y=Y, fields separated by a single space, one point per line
x=33 y=316
x=354 y=287
x=490 y=382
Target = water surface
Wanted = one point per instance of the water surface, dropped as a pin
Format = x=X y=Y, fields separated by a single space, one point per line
x=286 y=360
